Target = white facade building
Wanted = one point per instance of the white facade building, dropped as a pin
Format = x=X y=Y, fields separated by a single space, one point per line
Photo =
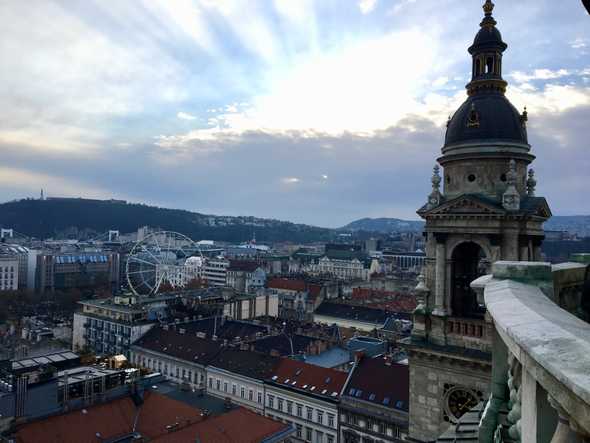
x=306 y=396
x=342 y=269
x=215 y=271
x=9 y=267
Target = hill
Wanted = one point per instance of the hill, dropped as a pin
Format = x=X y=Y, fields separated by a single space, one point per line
x=86 y=218
x=575 y=224
x=384 y=225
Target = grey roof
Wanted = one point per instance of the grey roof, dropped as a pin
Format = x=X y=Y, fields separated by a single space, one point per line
x=184 y=346
x=499 y=120
x=247 y=363
x=331 y=358
x=358 y=313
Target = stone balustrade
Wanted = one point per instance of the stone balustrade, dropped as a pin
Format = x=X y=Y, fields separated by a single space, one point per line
x=466 y=328
x=541 y=355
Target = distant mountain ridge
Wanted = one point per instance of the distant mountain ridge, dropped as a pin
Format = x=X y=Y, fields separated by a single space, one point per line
x=84 y=218
x=575 y=224
x=384 y=225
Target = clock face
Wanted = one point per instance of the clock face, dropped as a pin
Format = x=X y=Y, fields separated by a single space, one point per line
x=459 y=401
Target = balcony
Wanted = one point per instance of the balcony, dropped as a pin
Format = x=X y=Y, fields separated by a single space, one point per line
x=540 y=389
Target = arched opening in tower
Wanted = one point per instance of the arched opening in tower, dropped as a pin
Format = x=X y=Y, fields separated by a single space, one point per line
x=467 y=260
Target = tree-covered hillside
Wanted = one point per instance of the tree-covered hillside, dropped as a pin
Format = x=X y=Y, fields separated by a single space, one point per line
x=85 y=217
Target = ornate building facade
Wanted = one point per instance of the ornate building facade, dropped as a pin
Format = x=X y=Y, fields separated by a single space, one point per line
x=483 y=209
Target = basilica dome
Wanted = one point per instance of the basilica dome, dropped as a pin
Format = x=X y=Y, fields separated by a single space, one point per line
x=486 y=117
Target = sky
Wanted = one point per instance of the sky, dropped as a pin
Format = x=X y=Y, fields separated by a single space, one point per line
x=318 y=112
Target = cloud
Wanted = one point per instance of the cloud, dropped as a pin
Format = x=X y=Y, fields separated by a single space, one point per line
x=279 y=90
x=186 y=116
x=579 y=43
x=539 y=74
x=367 y=6
x=290 y=180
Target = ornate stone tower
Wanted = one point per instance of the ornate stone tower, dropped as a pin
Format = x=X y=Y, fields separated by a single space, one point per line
x=486 y=212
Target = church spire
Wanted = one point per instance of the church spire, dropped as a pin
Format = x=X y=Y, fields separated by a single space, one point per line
x=486 y=52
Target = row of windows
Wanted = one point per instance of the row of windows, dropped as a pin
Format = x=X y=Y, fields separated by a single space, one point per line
x=6 y=269
x=296 y=409
x=177 y=372
x=371 y=425
x=223 y=386
x=307 y=433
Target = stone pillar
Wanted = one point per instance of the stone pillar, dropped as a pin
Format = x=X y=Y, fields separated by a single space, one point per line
x=510 y=246
x=524 y=253
x=440 y=276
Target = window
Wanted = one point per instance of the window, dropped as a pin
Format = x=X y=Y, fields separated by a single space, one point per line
x=308 y=434
x=319 y=436
x=309 y=414
x=289 y=407
x=331 y=420
x=178 y=373
x=271 y=401
x=184 y=374
x=233 y=389
x=250 y=395
x=280 y=404
x=218 y=384
x=299 y=410
x=210 y=383
x=299 y=431
x=224 y=386
x=330 y=438
x=260 y=397
x=321 y=417
x=242 y=392
x=190 y=376
x=381 y=428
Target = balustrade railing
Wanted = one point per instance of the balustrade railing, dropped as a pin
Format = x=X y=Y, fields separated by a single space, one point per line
x=541 y=358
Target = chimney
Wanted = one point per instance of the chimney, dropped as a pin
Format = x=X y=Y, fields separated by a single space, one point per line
x=358 y=356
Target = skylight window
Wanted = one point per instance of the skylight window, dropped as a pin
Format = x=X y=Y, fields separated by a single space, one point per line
x=298 y=371
x=334 y=394
x=328 y=379
x=399 y=404
x=352 y=391
x=287 y=381
x=386 y=401
x=372 y=397
x=274 y=377
x=294 y=382
x=324 y=392
x=312 y=388
x=304 y=386
x=359 y=393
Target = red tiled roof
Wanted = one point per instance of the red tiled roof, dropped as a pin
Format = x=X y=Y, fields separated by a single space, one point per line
x=311 y=379
x=238 y=426
x=116 y=418
x=286 y=283
x=111 y=419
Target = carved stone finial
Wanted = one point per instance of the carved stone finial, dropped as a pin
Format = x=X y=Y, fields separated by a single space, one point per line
x=524 y=117
x=448 y=121
x=435 y=196
x=511 y=197
x=531 y=183
x=488 y=21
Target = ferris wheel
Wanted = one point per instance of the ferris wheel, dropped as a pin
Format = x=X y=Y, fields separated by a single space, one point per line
x=162 y=257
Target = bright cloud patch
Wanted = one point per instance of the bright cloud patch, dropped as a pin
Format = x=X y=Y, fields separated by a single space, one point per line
x=185 y=116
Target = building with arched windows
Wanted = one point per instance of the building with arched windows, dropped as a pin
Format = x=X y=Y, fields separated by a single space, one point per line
x=483 y=209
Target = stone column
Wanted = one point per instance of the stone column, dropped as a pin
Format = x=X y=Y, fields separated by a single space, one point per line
x=440 y=274
x=510 y=246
